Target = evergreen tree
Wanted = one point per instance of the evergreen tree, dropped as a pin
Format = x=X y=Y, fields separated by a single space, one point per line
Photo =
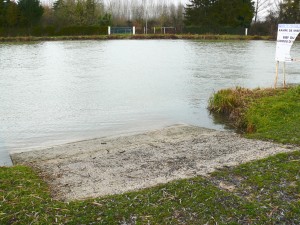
x=2 y=13
x=290 y=11
x=12 y=14
x=233 y=13
x=90 y=12
x=236 y=13
x=199 y=12
x=31 y=12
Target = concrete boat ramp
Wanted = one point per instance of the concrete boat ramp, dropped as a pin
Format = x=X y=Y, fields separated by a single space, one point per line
x=114 y=165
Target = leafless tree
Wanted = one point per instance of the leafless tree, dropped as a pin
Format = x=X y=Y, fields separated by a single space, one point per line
x=261 y=8
x=140 y=12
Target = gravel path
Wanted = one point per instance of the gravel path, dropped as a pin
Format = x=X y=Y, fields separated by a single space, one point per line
x=115 y=165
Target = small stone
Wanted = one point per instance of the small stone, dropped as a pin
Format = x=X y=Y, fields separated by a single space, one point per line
x=227 y=187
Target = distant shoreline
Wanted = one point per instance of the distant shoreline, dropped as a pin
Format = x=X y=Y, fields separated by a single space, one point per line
x=135 y=37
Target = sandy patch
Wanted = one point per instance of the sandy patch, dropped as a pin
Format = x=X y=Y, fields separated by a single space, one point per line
x=115 y=165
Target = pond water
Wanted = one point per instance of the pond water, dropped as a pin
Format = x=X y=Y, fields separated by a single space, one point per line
x=58 y=92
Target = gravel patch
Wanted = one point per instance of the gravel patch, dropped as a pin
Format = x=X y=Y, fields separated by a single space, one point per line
x=114 y=165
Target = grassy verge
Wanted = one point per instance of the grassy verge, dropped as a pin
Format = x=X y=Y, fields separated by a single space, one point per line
x=135 y=37
x=273 y=184
x=270 y=114
x=266 y=191
x=260 y=192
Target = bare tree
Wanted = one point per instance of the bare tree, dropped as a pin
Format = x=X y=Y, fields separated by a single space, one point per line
x=261 y=8
x=140 y=12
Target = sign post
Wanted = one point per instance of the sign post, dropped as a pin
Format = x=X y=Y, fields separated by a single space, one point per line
x=284 y=74
x=276 y=78
x=287 y=34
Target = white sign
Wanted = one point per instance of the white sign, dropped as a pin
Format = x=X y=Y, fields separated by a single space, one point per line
x=287 y=34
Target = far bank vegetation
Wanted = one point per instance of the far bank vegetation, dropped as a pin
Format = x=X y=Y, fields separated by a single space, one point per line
x=91 y=17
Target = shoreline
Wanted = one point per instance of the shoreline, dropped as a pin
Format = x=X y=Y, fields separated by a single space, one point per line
x=136 y=37
x=114 y=165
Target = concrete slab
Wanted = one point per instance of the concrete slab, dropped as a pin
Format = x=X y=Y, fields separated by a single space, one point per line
x=115 y=165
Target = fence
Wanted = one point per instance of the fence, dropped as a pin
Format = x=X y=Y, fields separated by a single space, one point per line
x=121 y=30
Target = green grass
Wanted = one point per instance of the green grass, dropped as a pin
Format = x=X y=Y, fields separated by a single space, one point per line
x=265 y=192
x=276 y=118
x=24 y=199
x=268 y=114
x=273 y=183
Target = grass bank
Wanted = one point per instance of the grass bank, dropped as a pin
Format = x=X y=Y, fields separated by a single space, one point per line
x=268 y=114
x=261 y=192
x=135 y=37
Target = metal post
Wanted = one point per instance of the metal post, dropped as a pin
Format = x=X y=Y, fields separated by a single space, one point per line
x=277 y=65
x=133 y=30
x=284 y=84
x=109 y=31
x=246 y=31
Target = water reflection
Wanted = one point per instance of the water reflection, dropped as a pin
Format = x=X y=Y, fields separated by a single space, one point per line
x=57 y=92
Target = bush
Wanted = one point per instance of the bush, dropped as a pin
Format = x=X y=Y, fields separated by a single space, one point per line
x=260 y=28
x=214 y=30
x=52 y=31
x=82 y=30
x=14 y=32
x=43 y=31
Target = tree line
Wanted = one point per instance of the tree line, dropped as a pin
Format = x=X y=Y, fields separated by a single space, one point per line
x=70 y=16
x=197 y=16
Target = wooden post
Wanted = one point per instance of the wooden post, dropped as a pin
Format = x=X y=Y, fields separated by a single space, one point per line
x=277 y=65
x=284 y=84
